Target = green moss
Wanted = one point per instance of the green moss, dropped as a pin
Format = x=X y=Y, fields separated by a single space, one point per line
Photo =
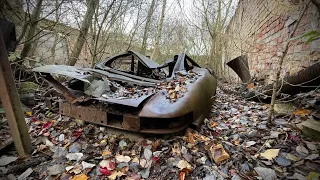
x=28 y=87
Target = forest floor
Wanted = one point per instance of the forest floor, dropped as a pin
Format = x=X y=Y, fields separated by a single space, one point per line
x=235 y=142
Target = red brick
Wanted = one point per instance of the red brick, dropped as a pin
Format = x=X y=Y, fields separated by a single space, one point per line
x=290 y=50
x=253 y=67
x=280 y=47
x=259 y=47
x=264 y=25
x=278 y=27
x=274 y=48
x=305 y=47
x=281 y=24
x=255 y=58
x=276 y=22
x=305 y=20
x=266 y=29
x=260 y=35
x=278 y=40
x=272 y=31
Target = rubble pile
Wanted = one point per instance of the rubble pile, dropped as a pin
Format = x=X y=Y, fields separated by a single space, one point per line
x=173 y=89
x=111 y=89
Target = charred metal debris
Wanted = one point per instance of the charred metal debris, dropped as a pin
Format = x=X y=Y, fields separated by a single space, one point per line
x=305 y=80
x=131 y=92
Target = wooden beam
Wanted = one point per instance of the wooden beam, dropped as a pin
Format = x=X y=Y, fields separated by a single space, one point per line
x=12 y=105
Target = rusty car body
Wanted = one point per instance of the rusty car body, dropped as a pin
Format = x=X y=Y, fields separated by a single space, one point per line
x=131 y=92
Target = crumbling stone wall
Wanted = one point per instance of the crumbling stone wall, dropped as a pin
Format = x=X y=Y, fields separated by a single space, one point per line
x=260 y=28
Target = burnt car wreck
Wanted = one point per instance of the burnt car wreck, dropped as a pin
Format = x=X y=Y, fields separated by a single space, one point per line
x=131 y=92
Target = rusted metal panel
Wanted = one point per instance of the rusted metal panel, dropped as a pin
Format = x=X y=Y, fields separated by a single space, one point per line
x=241 y=67
x=174 y=125
x=70 y=71
x=86 y=113
x=131 y=123
x=125 y=122
x=165 y=131
x=197 y=100
x=62 y=89
x=305 y=80
x=133 y=102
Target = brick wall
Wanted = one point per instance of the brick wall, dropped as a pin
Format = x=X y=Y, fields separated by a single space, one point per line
x=260 y=28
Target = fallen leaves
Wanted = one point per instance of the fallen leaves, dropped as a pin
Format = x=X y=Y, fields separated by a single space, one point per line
x=214 y=124
x=122 y=158
x=292 y=157
x=86 y=165
x=55 y=169
x=282 y=161
x=250 y=86
x=312 y=156
x=230 y=144
x=116 y=174
x=182 y=164
x=301 y=112
x=5 y=160
x=80 y=177
x=177 y=87
x=266 y=173
x=270 y=154
x=108 y=164
x=313 y=176
x=302 y=150
x=190 y=138
x=219 y=154
x=249 y=143
x=25 y=174
x=106 y=153
x=74 y=156
x=29 y=113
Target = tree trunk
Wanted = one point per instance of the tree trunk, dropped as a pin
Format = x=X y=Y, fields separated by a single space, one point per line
x=96 y=47
x=147 y=27
x=32 y=29
x=83 y=32
x=156 y=50
x=55 y=42
x=135 y=28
